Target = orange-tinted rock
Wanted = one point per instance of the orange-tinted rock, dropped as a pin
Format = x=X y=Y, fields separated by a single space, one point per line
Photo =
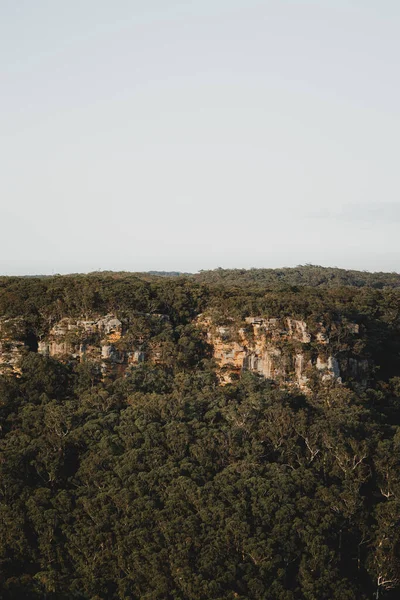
x=278 y=349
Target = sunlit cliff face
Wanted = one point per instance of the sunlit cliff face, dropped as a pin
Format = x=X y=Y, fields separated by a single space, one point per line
x=97 y=340
x=286 y=350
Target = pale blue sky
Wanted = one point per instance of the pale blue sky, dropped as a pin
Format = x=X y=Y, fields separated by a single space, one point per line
x=159 y=134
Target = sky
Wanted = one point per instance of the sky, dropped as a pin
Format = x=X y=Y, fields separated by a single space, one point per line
x=187 y=135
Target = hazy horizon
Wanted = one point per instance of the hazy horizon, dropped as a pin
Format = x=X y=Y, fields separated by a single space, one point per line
x=167 y=136
x=176 y=271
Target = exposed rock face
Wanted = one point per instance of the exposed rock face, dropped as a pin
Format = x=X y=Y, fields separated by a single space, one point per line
x=329 y=368
x=11 y=345
x=284 y=350
x=10 y=356
x=99 y=340
x=96 y=340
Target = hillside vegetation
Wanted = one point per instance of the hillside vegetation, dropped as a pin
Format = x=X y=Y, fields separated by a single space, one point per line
x=163 y=484
x=307 y=275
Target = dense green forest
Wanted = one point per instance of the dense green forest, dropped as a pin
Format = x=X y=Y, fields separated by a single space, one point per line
x=311 y=275
x=162 y=484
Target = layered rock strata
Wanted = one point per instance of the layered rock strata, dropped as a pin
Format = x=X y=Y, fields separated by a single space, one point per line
x=284 y=350
x=99 y=340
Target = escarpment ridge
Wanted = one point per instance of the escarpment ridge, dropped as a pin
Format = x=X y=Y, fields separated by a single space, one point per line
x=289 y=351
x=295 y=336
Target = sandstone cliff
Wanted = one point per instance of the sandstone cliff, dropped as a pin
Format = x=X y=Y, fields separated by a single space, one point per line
x=104 y=340
x=283 y=349
x=286 y=350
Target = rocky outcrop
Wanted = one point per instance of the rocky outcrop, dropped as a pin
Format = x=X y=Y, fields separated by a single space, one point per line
x=97 y=340
x=10 y=356
x=329 y=368
x=12 y=346
x=103 y=340
x=285 y=350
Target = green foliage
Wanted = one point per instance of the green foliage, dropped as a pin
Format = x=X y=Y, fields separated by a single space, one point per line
x=302 y=275
x=166 y=485
x=163 y=484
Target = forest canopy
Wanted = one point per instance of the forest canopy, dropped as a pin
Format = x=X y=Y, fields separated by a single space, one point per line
x=161 y=483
